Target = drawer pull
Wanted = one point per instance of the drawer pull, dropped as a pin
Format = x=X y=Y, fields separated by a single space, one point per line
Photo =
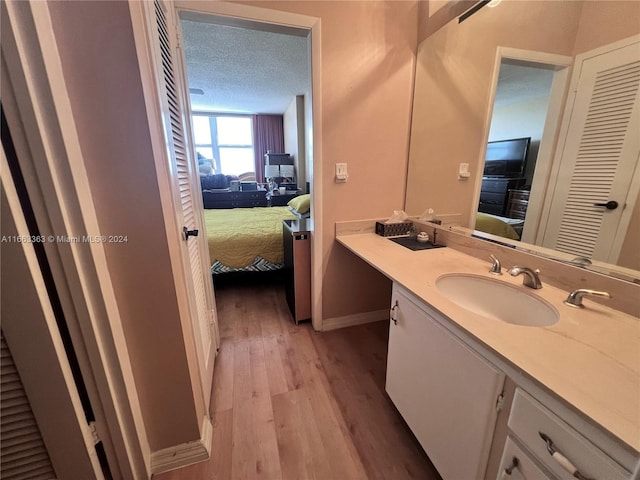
x=509 y=470
x=561 y=459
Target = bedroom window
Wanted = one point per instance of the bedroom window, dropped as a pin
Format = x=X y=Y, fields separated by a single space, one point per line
x=227 y=140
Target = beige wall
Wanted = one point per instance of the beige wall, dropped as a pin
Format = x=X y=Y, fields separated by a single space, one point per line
x=630 y=252
x=621 y=18
x=368 y=52
x=453 y=84
x=101 y=70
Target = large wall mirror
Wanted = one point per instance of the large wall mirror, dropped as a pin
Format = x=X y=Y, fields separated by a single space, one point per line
x=500 y=92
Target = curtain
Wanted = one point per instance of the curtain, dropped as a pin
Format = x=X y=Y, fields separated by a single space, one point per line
x=268 y=135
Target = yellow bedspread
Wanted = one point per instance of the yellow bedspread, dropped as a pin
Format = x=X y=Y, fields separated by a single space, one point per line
x=237 y=236
x=495 y=226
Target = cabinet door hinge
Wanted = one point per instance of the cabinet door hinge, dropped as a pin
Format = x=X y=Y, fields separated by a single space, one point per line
x=500 y=402
x=94 y=432
x=176 y=28
x=393 y=313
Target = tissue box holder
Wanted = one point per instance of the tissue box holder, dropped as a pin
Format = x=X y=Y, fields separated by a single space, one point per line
x=393 y=229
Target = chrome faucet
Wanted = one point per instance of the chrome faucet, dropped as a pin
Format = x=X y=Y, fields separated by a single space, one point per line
x=531 y=278
x=496 y=268
x=575 y=298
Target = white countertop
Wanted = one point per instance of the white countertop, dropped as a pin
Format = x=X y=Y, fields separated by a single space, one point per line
x=590 y=358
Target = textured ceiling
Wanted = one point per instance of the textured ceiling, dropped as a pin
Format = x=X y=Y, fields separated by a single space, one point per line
x=518 y=83
x=242 y=70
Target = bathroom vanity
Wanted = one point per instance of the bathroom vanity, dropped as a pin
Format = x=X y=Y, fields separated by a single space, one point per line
x=492 y=399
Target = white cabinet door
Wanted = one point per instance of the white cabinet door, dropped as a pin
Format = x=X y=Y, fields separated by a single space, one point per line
x=446 y=392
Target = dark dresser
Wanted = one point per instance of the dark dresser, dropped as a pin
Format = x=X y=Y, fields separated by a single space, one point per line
x=239 y=199
x=297 y=264
x=494 y=194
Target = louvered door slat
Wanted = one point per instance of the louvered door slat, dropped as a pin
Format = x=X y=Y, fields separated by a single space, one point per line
x=28 y=472
x=22 y=451
x=593 y=161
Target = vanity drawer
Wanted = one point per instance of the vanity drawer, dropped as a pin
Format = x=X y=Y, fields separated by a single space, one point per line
x=529 y=418
x=526 y=466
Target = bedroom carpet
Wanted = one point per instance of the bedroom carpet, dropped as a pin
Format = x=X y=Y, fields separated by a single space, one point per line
x=291 y=403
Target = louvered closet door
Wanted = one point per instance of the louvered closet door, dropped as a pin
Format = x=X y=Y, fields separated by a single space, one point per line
x=195 y=252
x=22 y=451
x=599 y=158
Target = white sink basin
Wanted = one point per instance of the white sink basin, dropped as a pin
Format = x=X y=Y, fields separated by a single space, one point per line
x=497 y=300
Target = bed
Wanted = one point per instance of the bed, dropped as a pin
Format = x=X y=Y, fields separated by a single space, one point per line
x=500 y=226
x=246 y=239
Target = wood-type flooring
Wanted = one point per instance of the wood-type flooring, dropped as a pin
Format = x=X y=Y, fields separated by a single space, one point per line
x=293 y=404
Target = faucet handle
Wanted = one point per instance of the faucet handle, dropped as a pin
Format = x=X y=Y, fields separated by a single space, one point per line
x=575 y=298
x=496 y=268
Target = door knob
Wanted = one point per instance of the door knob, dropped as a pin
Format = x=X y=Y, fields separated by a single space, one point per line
x=189 y=233
x=610 y=205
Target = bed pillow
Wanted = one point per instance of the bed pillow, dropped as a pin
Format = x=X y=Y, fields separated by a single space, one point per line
x=300 y=204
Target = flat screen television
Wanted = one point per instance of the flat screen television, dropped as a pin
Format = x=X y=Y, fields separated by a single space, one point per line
x=506 y=158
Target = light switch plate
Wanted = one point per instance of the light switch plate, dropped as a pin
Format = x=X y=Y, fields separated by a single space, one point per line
x=341 y=172
x=463 y=171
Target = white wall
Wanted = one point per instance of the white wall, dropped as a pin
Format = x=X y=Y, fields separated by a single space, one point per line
x=522 y=119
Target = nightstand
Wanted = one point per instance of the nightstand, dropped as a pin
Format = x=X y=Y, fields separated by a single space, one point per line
x=297 y=264
x=278 y=200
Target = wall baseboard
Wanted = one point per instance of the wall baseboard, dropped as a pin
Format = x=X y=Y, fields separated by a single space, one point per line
x=355 y=319
x=184 y=454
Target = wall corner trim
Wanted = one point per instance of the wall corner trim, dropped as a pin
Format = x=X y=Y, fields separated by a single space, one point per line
x=354 y=319
x=184 y=454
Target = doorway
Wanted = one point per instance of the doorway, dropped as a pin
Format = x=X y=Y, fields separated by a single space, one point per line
x=528 y=92
x=236 y=71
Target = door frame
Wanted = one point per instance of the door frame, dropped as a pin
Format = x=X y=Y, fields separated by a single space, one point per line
x=40 y=117
x=561 y=65
x=31 y=331
x=284 y=19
